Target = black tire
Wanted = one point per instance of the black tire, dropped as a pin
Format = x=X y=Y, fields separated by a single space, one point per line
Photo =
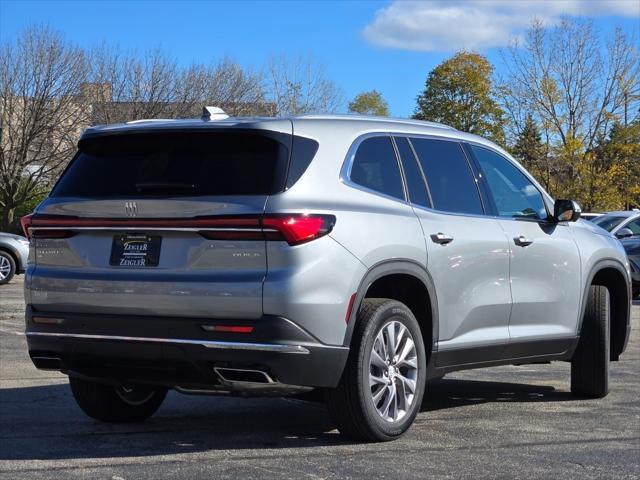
x=5 y=259
x=590 y=363
x=111 y=404
x=351 y=404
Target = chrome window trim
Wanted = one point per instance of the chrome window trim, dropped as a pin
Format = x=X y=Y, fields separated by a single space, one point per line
x=345 y=171
x=265 y=347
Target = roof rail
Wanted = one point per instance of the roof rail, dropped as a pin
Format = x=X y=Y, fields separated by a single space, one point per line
x=145 y=120
x=374 y=118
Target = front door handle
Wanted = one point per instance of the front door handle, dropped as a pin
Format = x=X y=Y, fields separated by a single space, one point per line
x=441 y=238
x=523 y=241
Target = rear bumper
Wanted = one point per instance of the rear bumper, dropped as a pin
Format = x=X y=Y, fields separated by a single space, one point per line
x=178 y=352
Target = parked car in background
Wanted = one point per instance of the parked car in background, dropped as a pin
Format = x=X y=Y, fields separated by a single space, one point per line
x=360 y=256
x=632 y=247
x=591 y=216
x=622 y=224
x=14 y=251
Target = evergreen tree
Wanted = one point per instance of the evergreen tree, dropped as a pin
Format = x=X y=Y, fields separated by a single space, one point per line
x=532 y=153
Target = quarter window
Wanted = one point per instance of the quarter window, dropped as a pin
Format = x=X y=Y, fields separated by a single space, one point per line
x=449 y=176
x=514 y=195
x=375 y=166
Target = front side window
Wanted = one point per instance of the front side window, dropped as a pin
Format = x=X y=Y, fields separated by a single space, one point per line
x=449 y=176
x=375 y=167
x=513 y=193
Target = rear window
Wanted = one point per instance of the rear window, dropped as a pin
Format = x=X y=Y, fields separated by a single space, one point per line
x=176 y=164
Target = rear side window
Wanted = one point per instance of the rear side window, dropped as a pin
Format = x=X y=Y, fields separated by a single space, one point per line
x=375 y=166
x=513 y=193
x=176 y=164
x=413 y=175
x=451 y=183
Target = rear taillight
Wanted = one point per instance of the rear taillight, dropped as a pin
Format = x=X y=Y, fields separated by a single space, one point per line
x=46 y=226
x=294 y=228
x=26 y=223
x=297 y=228
x=228 y=228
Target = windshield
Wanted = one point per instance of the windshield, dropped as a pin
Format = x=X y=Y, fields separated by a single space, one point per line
x=608 y=222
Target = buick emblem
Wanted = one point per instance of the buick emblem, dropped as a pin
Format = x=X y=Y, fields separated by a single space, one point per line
x=130 y=209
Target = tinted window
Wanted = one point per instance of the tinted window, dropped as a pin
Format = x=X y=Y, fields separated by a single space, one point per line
x=608 y=222
x=449 y=177
x=513 y=193
x=375 y=166
x=413 y=174
x=634 y=227
x=175 y=164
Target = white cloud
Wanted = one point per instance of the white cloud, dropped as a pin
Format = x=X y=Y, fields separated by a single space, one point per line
x=447 y=25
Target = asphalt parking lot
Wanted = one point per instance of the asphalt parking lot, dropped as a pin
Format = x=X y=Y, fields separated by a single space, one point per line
x=508 y=422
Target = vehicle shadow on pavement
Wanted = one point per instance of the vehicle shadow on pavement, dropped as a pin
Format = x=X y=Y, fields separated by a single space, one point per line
x=453 y=393
x=43 y=422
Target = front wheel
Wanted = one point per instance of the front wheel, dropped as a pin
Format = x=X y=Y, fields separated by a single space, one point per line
x=381 y=388
x=116 y=404
x=590 y=363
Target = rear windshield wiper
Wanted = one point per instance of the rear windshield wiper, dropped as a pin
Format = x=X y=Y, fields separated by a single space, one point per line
x=163 y=186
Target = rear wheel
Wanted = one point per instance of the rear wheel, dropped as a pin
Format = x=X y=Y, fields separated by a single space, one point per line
x=590 y=363
x=116 y=404
x=381 y=388
x=7 y=267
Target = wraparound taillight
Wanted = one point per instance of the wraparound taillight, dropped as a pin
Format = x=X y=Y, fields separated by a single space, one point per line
x=25 y=222
x=294 y=228
x=297 y=228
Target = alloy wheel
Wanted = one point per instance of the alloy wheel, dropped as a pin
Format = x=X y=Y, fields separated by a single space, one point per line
x=393 y=371
x=5 y=267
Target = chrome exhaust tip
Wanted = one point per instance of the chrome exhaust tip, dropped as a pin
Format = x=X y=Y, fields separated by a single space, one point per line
x=243 y=375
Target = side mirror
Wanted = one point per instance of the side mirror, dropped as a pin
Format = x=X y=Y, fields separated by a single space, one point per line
x=566 y=211
x=624 y=233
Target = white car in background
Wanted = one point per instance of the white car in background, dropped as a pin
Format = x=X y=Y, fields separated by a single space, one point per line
x=622 y=224
x=14 y=251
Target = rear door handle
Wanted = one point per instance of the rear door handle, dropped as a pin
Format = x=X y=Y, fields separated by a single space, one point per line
x=441 y=238
x=523 y=241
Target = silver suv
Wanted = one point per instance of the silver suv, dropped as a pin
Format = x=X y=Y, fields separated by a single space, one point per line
x=357 y=256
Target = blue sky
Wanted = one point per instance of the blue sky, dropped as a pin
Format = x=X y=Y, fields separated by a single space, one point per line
x=386 y=45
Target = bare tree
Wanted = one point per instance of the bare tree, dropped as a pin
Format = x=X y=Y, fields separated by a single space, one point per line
x=569 y=81
x=40 y=115
x=300 y=85
x=239 y=91
x=127 y=87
